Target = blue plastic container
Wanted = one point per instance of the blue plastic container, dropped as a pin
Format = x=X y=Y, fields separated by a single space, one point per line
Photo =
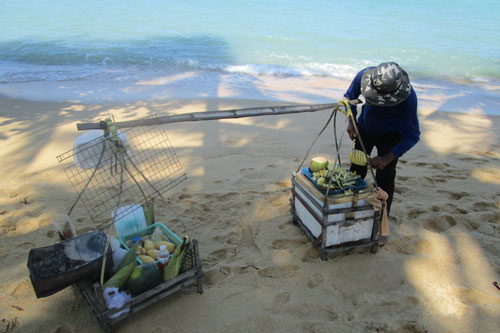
x=361 y=184
x=173 y=238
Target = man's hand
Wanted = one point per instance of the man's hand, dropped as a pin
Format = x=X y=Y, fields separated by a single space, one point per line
x=380 y=162
x=351 y=131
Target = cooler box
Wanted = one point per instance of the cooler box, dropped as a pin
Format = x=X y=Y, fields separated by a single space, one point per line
x=344 y=218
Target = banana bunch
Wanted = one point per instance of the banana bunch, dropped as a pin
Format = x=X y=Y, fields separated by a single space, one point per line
x=339 y=178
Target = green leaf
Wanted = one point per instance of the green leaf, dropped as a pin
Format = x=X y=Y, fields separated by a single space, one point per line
x=149 y=213
x=175 y=263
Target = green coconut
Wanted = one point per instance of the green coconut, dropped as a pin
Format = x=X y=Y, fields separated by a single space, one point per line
x=318 y=163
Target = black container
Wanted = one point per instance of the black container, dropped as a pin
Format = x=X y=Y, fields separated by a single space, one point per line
x=53 y=268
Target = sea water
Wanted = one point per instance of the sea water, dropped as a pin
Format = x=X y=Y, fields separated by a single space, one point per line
x=198 y=42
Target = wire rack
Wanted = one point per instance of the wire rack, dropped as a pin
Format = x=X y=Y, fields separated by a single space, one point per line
x=107 y=178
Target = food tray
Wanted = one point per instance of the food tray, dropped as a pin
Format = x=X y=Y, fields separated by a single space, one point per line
x=173 y=238
x=361 y=184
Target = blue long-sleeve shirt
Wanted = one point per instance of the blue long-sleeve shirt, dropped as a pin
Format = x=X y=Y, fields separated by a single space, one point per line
x=378 y=120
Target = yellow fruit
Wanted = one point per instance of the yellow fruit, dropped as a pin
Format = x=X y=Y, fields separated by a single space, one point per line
x=141 y=250
x=170 y=246
x=153 y=253
x=149 y=244
x=146 y=258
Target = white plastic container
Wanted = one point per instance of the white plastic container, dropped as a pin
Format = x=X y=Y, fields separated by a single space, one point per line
x=134 y=220
x=346 y=218
x=88 y=146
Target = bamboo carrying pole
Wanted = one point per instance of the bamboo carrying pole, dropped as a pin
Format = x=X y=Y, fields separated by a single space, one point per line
x=214 y=115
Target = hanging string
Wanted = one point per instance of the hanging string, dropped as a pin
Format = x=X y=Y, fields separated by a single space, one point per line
x=90 y=179
x=108 y=236
x=337 y=145
x=158 y=192
x=351 y=116
x=316 y=139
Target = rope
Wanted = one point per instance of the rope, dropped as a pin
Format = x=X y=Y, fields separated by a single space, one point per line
x=90 y=179
x=108 y=237
x=338 y=156
x=135 y=180
x=316 y=139
x=349 y=113
x=146 y=198
x=158 y=192
x=335 y=136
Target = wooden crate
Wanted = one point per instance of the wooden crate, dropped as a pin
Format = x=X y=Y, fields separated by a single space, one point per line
x=340 y=224
x=191 y=273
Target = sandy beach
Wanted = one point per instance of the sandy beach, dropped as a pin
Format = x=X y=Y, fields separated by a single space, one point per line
x=262 y=274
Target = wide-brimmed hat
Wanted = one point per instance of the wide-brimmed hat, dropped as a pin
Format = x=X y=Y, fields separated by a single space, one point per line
x=385 y=85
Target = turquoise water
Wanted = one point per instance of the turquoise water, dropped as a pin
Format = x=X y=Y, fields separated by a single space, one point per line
x=457 y=40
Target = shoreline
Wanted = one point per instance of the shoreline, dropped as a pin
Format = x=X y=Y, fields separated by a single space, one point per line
x=479 y=98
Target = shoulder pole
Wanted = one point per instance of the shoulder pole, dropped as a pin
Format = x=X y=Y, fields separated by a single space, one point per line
x=215 y=115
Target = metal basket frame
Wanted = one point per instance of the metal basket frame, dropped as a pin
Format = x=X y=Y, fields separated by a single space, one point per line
x=129 y=167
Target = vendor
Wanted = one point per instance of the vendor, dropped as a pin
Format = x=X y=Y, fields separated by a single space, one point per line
x=388 y=120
